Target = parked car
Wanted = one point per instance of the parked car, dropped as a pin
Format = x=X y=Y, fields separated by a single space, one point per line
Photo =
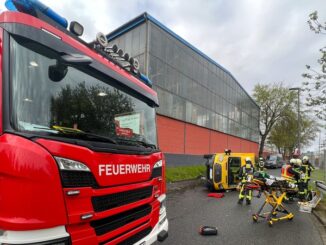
x=274 y=161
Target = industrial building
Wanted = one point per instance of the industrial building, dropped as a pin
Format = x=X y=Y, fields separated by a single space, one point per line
x=203 y=108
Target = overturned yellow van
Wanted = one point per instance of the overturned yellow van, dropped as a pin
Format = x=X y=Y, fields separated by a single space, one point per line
x=223 y=169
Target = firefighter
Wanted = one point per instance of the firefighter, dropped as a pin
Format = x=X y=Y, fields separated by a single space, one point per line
x=306 y=163
x=261 y=165
x=303 y=182
x=289 y=171
x=246 y=172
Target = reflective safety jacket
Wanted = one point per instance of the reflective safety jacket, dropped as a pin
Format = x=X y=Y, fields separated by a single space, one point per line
x=286 y=172
x=246 y=170
x=305 y=171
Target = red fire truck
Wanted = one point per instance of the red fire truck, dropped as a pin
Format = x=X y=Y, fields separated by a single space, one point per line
x=79 y=162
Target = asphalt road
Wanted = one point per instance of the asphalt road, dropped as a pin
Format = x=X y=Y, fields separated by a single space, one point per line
x=190 y=209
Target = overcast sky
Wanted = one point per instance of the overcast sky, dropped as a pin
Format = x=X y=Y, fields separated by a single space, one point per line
x=258 y=41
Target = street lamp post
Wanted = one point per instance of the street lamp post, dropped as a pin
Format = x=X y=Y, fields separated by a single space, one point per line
x=299 y=137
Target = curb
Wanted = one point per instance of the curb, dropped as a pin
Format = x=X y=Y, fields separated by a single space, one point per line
x=183 y=185
x=317 y=215
x=320 y=214
x=321 y=226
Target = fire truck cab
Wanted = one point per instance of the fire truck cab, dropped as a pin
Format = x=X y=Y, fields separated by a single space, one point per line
x=79 y=162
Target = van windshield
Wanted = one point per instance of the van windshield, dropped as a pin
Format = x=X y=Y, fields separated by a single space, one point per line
x=272 y=158
x=80 y=104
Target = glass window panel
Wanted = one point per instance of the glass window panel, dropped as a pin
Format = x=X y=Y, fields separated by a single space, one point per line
x=178 y=108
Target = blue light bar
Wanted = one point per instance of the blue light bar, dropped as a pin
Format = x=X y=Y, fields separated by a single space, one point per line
x=10 y=5
x=31 y=6
x=146 y=80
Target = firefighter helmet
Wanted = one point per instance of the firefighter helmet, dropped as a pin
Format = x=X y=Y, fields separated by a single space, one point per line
x=248 y=163
x=305 y=159
x=298 y=162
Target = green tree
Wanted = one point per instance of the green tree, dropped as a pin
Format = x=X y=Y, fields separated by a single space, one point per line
x=315 y=80
x=284 y=133
x=274 y=100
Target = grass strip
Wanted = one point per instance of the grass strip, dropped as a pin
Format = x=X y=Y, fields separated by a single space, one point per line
x=184 y=172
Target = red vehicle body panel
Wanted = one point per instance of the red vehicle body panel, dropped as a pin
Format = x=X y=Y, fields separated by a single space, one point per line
x=1 y=49
x=30 y=176
x=93 y=159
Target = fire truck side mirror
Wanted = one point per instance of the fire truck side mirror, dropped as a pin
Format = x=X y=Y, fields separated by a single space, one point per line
x=57 y=72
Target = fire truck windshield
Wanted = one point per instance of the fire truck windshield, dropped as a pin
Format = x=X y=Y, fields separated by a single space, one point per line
x=83 y=103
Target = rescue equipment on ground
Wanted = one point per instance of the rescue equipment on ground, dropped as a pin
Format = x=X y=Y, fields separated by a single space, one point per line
x=216 y=195
x=274 y=190
x=208 y=231
x=307 y=206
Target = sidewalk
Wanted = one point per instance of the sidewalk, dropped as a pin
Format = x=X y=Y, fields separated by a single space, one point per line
x=320 y=214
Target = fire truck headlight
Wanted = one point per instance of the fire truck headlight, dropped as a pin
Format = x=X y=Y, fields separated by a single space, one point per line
x=158 y=164
x=162 y=200
x=72 y=165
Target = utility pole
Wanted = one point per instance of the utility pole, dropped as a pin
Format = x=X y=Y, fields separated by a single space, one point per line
x=299 y=124
x=319 y=156
x=324 y=162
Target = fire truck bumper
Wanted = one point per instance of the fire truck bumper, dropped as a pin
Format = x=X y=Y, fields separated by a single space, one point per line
x=56 y=235
x=159 y=233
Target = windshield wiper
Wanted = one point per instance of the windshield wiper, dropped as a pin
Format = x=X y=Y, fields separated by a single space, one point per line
x=96 y=136
x=145 y=144
x=72 y=131
x=137 y=142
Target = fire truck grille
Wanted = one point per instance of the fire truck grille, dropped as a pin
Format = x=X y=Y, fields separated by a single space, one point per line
x=137 y=237
x=111 y=223
x=106 y=202
x=133 y=239
x=157 y=172
x=72 y=179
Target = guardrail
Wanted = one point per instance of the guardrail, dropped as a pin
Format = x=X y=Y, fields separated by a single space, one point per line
x=321 y=186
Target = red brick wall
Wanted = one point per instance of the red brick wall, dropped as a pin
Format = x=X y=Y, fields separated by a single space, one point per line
x=171 y=134
x=196 y=140
x=234 y=143
x=183 y=138
x=218 y=142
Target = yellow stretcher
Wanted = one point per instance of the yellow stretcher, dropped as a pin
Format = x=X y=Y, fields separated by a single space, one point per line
x=274 y=196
